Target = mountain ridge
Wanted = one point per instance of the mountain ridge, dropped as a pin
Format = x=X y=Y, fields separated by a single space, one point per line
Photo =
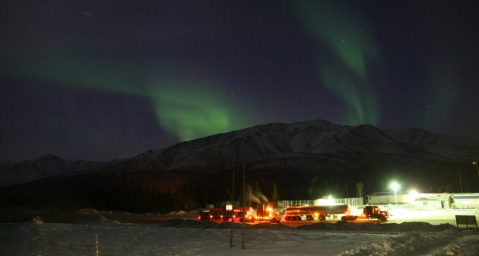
x=44 y=166
x=305 y=160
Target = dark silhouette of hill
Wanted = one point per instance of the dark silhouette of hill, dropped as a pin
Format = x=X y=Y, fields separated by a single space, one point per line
x=306 y=160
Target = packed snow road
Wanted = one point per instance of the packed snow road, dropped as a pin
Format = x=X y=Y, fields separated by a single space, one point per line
x=189 y=238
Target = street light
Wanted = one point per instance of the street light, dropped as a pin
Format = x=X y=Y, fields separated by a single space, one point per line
x=413 y=195
x=395 y=187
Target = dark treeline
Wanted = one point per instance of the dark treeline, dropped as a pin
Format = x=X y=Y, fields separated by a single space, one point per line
x=105 y=193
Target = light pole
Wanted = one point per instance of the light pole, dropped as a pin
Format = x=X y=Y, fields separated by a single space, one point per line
x=475 y=163
x=233 y=206
x=395 y=187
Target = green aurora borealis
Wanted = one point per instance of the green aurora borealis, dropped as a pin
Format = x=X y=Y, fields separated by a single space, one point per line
x=185 y=107
x=191 y=107
x=105 y=80
x=191 y=112
x=355 y=54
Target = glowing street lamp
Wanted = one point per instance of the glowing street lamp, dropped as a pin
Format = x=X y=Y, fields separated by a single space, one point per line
x=395 y=187
x=413 y=195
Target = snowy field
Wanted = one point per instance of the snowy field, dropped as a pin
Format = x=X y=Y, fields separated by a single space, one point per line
x=437 y=216
x=190 y=238
x=403 y=213
x=101 y=233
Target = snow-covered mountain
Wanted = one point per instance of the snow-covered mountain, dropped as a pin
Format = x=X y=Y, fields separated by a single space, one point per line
x=304 y=160
x=314 y=140
x=41 y=167
x=311 y=145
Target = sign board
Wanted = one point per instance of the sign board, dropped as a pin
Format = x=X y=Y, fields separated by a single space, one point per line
x=229 y=207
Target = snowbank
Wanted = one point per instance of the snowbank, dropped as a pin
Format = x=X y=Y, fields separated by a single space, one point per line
x=339 y=226
x=37 y=220
x=405 y=244
x=177 y=213
x=134 y=239
x=466 y=246
x=210 y=238
x=392 y=227
x=180 y=223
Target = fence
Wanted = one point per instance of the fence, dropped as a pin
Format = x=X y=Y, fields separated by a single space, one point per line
x=287 y=203
x=353 y=201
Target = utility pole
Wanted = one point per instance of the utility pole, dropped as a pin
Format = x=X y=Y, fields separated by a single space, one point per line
x=233 y=205
x=475 y=163
x=244 y=207
x=460 y=180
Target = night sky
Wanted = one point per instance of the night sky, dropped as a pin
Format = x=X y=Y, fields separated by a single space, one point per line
x=101 y=80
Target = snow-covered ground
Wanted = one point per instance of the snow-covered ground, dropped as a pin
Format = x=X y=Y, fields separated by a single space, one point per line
x=438 y=216
x=101 y=234
x=190 y=238
x=404 y=213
